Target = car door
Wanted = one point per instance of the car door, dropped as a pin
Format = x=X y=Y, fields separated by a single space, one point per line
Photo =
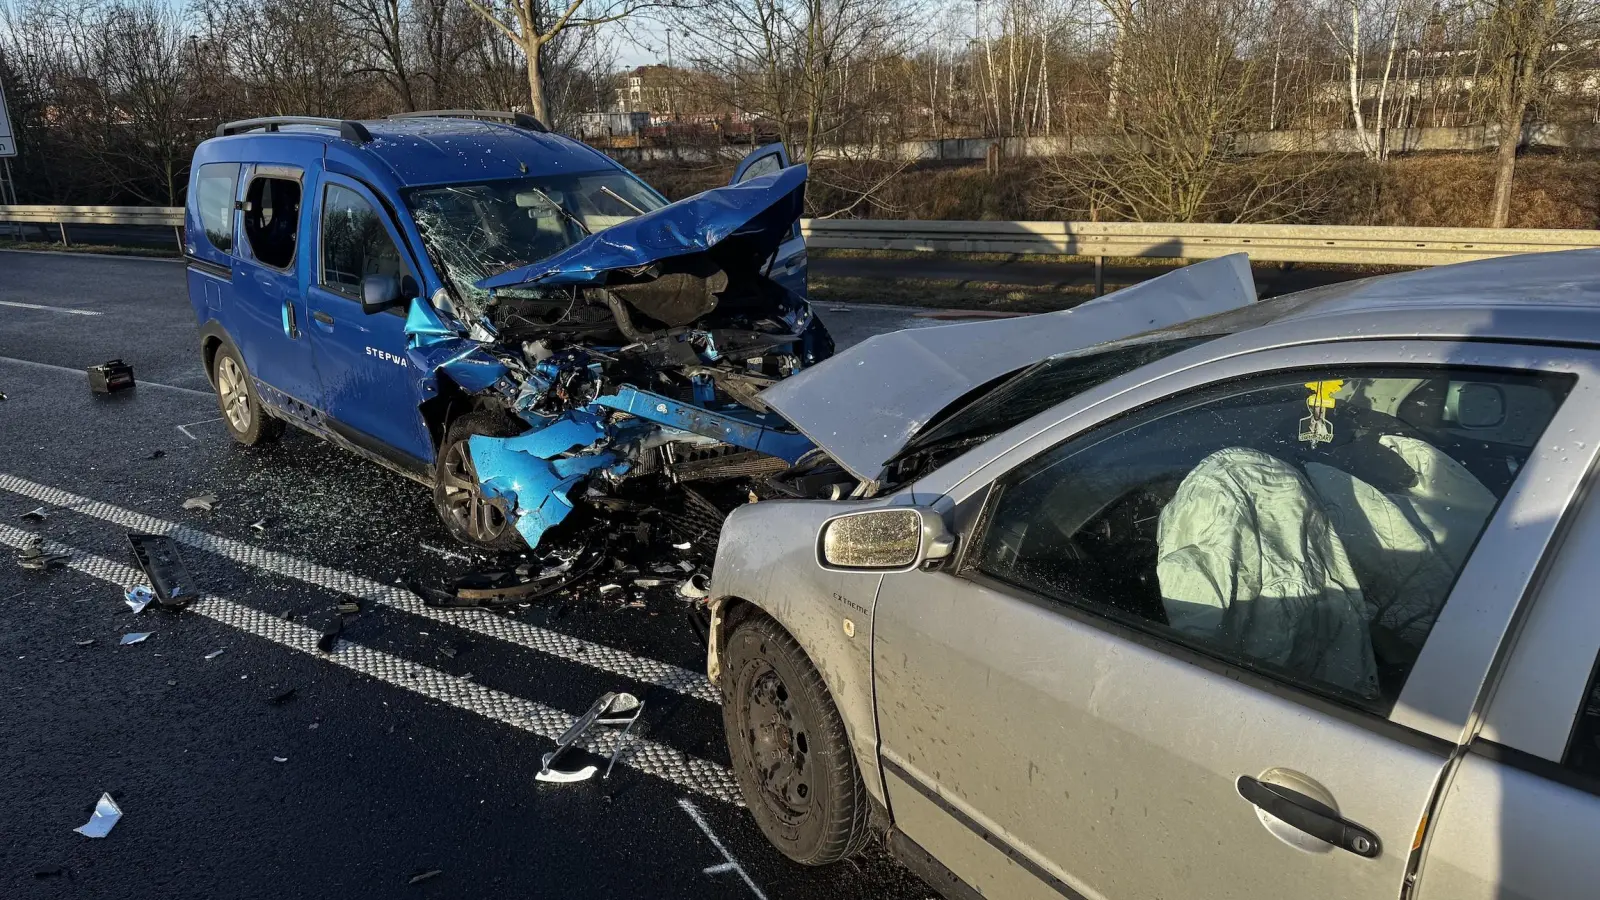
x=1518 y=814
x=267 y=318
x=1186 y=646
x=788 y=265
x=370 y=390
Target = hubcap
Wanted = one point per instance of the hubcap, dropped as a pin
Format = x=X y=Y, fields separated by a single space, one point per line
x=235 y=398
x=468 y=510
x=779 y=746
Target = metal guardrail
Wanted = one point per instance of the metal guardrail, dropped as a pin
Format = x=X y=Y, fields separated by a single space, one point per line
x=1338 y=244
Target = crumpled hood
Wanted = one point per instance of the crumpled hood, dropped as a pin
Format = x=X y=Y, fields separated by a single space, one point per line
x=865 y=403
x=760 y=212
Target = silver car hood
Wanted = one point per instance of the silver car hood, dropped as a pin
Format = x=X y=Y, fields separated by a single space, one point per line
x=864 y=404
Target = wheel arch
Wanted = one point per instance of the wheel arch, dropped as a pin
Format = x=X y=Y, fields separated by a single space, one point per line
x=213 y=337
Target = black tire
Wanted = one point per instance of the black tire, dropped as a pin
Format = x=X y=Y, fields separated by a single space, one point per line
x=468 y=515
x=246 y=419
x=789 y=748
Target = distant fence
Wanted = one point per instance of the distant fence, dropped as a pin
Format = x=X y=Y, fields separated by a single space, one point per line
x=1339 y=244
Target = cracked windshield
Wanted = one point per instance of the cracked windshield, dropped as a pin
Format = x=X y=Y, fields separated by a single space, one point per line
x=477 y=230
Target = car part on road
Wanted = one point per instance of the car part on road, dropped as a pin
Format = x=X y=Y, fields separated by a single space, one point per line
x=138 y=597
x=33 y=557
x=158 y=556
x=216 y=653
x=33 y=515
x=613 y=709
x=328 y=638
x=242 y=412
x=204 y=502
x=789 y=749
x=102 y=820
x=110 y=377
x=696 y=587
x=134 y=637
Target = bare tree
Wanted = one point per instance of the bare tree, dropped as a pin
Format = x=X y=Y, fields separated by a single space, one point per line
x=1517 y=34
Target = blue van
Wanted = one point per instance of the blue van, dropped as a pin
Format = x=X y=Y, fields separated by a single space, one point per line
x=494 y=310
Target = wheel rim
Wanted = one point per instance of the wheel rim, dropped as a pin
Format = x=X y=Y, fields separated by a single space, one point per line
x=465 y=506
x=233 y=393
x=779 y=746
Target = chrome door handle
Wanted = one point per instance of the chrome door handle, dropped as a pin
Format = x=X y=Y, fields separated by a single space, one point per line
x=1309 y=815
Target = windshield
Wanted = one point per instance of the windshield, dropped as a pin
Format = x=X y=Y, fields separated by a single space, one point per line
x=476 y=230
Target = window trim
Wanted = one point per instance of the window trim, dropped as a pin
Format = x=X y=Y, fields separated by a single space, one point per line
x=1118 y=400
x=281 y=173
x=381 y=210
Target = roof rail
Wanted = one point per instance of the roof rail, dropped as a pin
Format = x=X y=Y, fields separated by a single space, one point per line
x=521 y=120
x=352 y=131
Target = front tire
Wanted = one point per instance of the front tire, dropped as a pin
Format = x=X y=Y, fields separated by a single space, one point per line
x=241 y=407
x=467 y=513
x=790 y=752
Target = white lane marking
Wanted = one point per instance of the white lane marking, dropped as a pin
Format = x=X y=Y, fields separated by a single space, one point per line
x=80 y=373
x=699 y=775
x=553 y=643
x=186 y=426
x=729 y=864
x=60 y=309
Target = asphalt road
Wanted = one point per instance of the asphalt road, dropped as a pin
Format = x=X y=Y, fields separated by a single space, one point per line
x=275 y=770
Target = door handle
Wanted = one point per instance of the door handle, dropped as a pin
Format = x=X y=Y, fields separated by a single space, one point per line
x=323 y=318
x=1309 y=815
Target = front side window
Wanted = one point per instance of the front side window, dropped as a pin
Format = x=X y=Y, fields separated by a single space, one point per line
x=272 y=220
x=473 y=231
x=214 y=194
x=354 y=242
x=1307 y=525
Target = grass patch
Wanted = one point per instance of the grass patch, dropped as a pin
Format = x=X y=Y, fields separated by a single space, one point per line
x=938 y=293
x=104 y=249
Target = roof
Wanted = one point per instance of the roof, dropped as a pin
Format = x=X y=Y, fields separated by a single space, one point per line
x=450 y=150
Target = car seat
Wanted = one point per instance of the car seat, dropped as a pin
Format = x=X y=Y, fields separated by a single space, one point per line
x=1249 y=564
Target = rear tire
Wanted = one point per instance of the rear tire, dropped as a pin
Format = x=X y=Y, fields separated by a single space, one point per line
x=242 y=412
x=789 y=748
x=467 y=514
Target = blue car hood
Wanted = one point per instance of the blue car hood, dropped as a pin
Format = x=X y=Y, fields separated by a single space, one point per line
x=761 y=212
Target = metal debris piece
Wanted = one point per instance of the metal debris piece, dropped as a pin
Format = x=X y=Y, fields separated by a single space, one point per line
x=280 y=759
x=697 y=587
x=139 y=596
x=613 y=709
x=86 y=642
x=105 y=815
x=420 y=877
x=32 y=556
x=349 y=608
x=33 y=515
x=259 y=526
x=158 y=556
x=215 y=653
x=204 y=502
x=134 y=637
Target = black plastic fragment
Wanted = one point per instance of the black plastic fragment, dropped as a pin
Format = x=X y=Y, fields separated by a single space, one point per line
x=110 y=376
x=158 y=556
x=331 y=629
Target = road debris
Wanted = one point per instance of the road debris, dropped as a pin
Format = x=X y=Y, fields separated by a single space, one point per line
x=33 y=557
x=33 y=515
x=86 y=642
x=285 y=697
x=205 y=502
x=696 y=588
x=110 y=376
x=610 y=588
x=48 y=871
x=105 y=816
x=683 y=546
x=349 y=608
x=613 y=709
x=138 y=597
x=280 y=759
x=134 y=637
x=158 y=556
x=648 y=582
x=259 y=526
x=331 y=630
x=420 y=877
x=156 y=454
x=216 y=653
x=447 y=554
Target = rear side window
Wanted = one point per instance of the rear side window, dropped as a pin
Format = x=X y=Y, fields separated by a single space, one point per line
x=354 y=242
x=272 y=220
x=214 y=193
x=1306 y=525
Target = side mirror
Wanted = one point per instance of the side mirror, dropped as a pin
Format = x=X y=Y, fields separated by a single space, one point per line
x=885 y=540
x=379 y=292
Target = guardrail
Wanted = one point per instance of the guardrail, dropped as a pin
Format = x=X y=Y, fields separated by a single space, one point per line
x=1339 y=244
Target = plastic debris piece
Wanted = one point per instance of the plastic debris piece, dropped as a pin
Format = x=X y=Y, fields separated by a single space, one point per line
x=649 y=582
x=685 y=565
x=105 y=815
x=610 y=588
x=285 y=697
x=683 y=546
x=349 y=608
x=330 y=634
x=170 y=580
x=156 y=454
x=134 y=637
x=697 y=587
x=205 y=502
x=138 y=597
x=33 y=556
x=86 y=642
x=33 y=515
x=420 y=877
x=47 y=871
x=280 y=759
x=613 y=709
x=259 y=526
x=215 y=653
x=110 y=376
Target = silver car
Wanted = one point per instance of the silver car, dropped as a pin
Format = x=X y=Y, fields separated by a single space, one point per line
x=1293 y=599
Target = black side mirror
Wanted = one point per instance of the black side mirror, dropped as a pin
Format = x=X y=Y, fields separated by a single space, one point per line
x=379 y=292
